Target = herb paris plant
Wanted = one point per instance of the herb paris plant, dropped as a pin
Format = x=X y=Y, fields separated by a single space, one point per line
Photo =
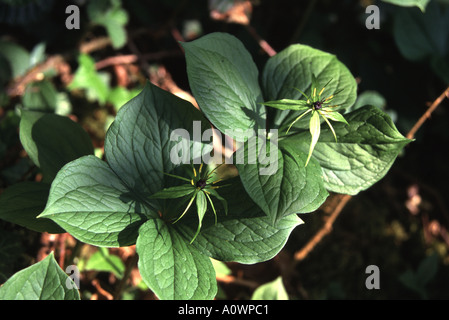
x=128 y=199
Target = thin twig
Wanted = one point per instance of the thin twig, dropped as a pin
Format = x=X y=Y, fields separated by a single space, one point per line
x=56 y=62
x=94 y=45
x=262 y=43
x=428 y=113
x=237 y=281
x=327 y=228
x=131 y=58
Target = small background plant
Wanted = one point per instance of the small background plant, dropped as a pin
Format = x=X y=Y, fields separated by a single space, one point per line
x=64 y=89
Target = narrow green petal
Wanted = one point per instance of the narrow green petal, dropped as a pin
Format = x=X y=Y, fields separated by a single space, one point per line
x=213 y=207
x=297 y=119
x=308 y=98
x=174 y=192
x=188 y=206
x=223 y=201
x=335 y=116
x=330 y=126
x=201 y=206
x=314 y=131
x=177 y=177
x=287 y=104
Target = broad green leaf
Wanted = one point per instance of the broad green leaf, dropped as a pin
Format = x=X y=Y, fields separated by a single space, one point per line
x=44 y=280
x=289 y=187
x=17 y=57
x=171 y=267
x=421 y=35
x=365 y=151
x=369 y=98
x=23 y=202
x=51 y=141
x=139 y=144
x=224 y=80
x=244 y=235
x=102 y=261
x=90 y=202
x=421 y=4
x=40 y=96
x=220 y=268
x=273 y=290
x=105 y=203
x=119 y=96
x=294 y=67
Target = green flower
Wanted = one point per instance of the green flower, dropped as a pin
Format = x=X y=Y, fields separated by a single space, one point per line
x=316 y=106
x=200 y=187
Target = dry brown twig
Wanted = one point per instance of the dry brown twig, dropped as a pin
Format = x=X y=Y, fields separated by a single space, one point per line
x=428 y=113
x=325 y=229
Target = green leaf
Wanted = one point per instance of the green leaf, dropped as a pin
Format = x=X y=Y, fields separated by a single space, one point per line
x=140 y=142
x=109 y=14
x=174 y=192
x=40 y=96
x=119 y=96
x=421 y=4
x=244 y=235
x=417 y=281
x=273 y=290
x=221 y=268
x=224 y=80
x=289 y=187
x=365 y=151
x=334 y=116
x=102 y=261
x=17 y=57
x=23 y=202
x=201 y=208
x=103 y=203
x=287 y=104
x=314 y=127
x=421 y=35
x=90 y=202
x=214 y=193
x=427 y=269
x=44 y=280
x=294 y=67
x=369 y=98
x=173 y=269
x=51 y=141
x=87 y=78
